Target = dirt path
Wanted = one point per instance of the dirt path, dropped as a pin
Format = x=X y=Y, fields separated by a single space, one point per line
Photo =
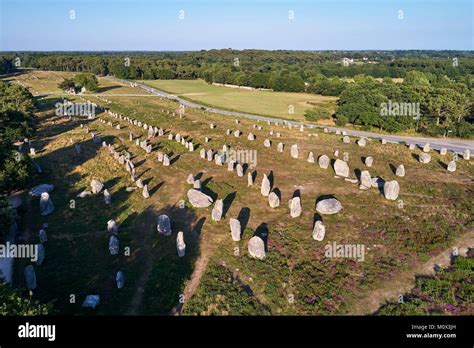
x=404 y=282
x=145 y=240
x=192 y=284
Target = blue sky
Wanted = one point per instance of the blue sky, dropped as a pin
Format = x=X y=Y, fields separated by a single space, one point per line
x=156 y=25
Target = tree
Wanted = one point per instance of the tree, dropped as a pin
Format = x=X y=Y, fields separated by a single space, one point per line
x=66 y=84
x=86 y=80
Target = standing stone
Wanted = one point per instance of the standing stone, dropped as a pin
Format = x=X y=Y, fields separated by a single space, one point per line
x=107 y=197
x=166 y=160
x=346 y=139
x=46 y=204
x=164 y=225
x=96 y=186
x=145 y=192
x=336 y=153
x=273 y=200
x=249 y=179
x=199 y=199
x=384 y=141
x=209 y=155
x=240 y=170
x=329 y=206
x=267 y=143
x=362 y=142
x=235 y=229
x=323 y=161
x=295 y=207
x=424 y=157
x=41 y=254
x=237 y=133
x=120 y=280
x=294 y=151
x=365 y=179
x=278 y=135
x=319 y=231
x=265 y=188
x=443 y=151
x=218 y=159
x=230 y=166
x=139 y=183
x=77 y=147
x=427 y=148
x=197 y=184
x=112 y=226
x=113 y=245
x=280 y=147
x=251 y=137
x=180 y=245
x=217 y=210
x=202 y=153
x=391 y=189
x=466 y=154
x=160 y=156
x=42 y=236
x=256 y=247
x=191 y=147
x=341 y=168
x=310 y=158
x=451 y=166
x=369 y=161
x=411 y=147
x=30 y=277
x=400 y=170
x=190 y=179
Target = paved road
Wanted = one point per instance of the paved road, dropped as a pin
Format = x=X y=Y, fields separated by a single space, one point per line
x=455 y=145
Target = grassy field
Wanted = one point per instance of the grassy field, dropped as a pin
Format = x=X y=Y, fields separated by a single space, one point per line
x=268 y=103
x=294 y=278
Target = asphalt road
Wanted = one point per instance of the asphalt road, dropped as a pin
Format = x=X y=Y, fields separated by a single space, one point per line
x=455 y=145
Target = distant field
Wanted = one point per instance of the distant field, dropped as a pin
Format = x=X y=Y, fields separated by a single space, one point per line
x=46 y=82
x=268 y=103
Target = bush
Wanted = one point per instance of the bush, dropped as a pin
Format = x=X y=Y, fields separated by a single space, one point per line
x=341 y=120
x=317 y=114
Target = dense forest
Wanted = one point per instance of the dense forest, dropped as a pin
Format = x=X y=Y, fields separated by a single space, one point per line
x=439 y=83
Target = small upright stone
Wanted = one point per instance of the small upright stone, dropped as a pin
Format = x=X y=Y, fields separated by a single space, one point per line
x=424 y=157
x=166 y=160
x=391 y=189
x=107 y=197
x=365 y=179
x=369 y=161
x=341 y=168
x=46 y=204
x=113 y=245
x=267 y=143
x=310 y=158
x=451 y=166
x=280 y=147
x=180 y=245
x=96 y=186
x=294 y=151
x=400 y=170
x=466 y=154
x=249 y=179
x=112 y=226
x=235 y=229
x=323 y=161
x=319 y=231
x=273 y=200
x=443 y=151
x=145 y=192
x=265 y=188
x=256 y=247
x=240 y=170
x=295 y=207
x=346 y=139
x=362 y=142
x=251 y=137
x=217 y=210
x=190 y=179
x=427 y=148
x=164 y=225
